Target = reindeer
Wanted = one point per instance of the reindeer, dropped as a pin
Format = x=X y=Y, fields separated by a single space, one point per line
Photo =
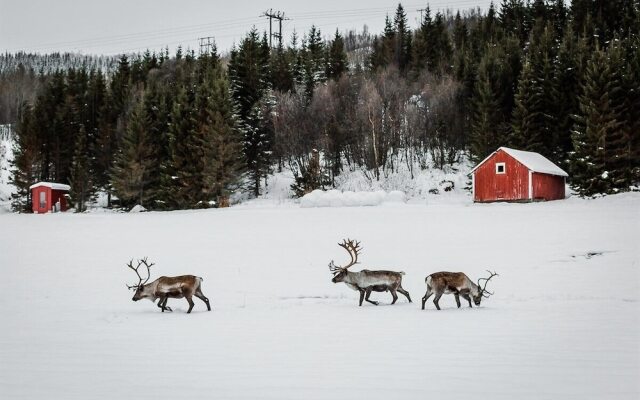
x=165 y=287
x=457 y=283
x=366 y=281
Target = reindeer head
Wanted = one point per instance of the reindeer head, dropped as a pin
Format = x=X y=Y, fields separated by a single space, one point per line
x=141 y=292
x=353 y=248
x=482 y=291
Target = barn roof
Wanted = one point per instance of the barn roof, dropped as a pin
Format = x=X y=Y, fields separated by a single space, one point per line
x=54 y=186
x=533 y=161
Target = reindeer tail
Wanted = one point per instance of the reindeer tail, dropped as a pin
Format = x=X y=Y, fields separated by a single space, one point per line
x=401 y=273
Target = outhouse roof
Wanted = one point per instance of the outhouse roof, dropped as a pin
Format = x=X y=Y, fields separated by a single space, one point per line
x=533 y=161
x=52 y=185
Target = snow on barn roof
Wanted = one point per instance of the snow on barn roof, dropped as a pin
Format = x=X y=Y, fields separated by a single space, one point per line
x=54 y=186
x=534 y=161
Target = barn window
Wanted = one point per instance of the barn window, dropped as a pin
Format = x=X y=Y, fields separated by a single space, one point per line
x=500 y=168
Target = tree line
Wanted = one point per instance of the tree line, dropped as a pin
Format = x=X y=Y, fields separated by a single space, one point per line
x=187 y=131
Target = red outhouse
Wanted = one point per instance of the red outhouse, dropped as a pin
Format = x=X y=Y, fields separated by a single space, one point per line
x=516 y=175
x=49 y=197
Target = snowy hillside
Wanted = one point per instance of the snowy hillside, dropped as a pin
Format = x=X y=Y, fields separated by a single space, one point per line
x=564 y=321
x=431 y=185
x=6 y=155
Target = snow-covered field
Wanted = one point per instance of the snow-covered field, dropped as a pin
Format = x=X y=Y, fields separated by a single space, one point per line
x=564 y=323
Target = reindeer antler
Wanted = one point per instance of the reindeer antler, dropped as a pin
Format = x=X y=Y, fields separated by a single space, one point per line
x=353 y=248
x=140 y=262
x=484 y=290
x=333 y=267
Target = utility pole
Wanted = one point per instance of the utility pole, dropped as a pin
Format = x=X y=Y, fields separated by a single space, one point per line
x=422 y=10
x=279 y=15
x=207 y=44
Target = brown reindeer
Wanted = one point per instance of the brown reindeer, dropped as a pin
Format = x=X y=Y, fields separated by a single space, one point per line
x=366 y=281
x=165 y=287
x=457 y=283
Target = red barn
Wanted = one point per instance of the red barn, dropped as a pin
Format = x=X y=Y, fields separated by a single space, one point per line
x=48 y=197
x=516 y=175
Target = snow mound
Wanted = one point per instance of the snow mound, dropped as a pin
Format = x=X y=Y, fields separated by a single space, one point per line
x=336 y=198
x=137 y=209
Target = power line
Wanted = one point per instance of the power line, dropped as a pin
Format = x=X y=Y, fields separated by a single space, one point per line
x=334 y=15
x=219 y=25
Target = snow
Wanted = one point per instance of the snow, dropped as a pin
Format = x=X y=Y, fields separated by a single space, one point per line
x=534 y=161
x=137 y=208
x=336 y=198
x=52 y=185
x=563 y=323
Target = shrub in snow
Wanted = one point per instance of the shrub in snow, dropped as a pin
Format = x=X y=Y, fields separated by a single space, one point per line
x=336 y=198
x=309 y=177
x=447 y=185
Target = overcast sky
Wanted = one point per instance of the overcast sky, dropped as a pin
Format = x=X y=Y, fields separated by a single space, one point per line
x=117 y=26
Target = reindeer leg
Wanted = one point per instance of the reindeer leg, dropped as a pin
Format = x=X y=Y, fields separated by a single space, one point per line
x=426 y=297
x=165 y=306
x=467 y=298
x=191 y=303
x=405 y=293
x=395 y=296
x=375 y=303
x=202 y=297
x=160 y=303
x=457 y=299
x=361 y=296
x=436 y=299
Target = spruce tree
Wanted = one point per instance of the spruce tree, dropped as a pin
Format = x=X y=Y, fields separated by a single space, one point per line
x=631 y=104
x=81 y=173
x=181 y=129
x=112 y=125
x=423 y=46
x=460 y=33
x=485 y=133
x=567 y=77
x=337 y=63
x=223 y=162
x=620 y=151
x=543 y=55
x=315 y=63
x=282 y=78
x=133 y=169
x=295 y=56
x=24 y=167
x=513 y=19
x=596 y=125
x=528 y=115
x=250 y=89
x=157 y=108
x=402 y=43
x=383 y=48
